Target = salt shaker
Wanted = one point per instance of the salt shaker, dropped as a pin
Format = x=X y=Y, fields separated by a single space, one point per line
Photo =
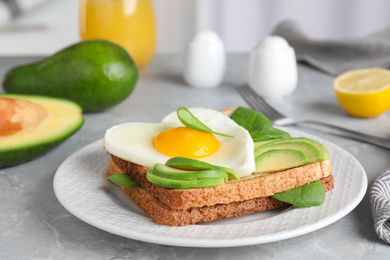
x=273 y=68
x=205 y=60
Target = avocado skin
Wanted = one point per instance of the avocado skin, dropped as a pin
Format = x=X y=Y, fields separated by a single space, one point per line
x=24 y=154
x=96 y=74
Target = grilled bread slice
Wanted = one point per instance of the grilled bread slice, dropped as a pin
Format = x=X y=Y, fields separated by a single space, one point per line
x=163 y=214
x=254 y=186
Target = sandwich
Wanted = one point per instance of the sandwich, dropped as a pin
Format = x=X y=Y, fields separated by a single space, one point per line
x=201 y=165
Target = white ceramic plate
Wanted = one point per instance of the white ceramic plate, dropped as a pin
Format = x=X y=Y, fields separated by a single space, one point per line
x=81 y=187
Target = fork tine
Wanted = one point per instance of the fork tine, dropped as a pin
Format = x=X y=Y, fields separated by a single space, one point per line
x=260 y=100
x=257 y=100
x=258 y=103
x=249 y=98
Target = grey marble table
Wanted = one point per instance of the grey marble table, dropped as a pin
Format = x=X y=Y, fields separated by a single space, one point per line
x=34 y=225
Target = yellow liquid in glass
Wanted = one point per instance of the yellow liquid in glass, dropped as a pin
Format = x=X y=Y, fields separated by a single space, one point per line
x=129 y=23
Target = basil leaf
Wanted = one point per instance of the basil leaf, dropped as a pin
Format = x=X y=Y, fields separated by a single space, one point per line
x=124 y=180
x=308 y=195
x=250 y=119
x=189 y=120
x=264 y=134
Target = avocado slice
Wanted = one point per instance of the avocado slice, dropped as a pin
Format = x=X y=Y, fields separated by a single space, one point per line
x=310 y=150
x=21 y=141
x=182 y=184
x=96 y=74
x=193 y=165
x=260 y=143
x=324 y=152
x=279 y=160
x=177 y=174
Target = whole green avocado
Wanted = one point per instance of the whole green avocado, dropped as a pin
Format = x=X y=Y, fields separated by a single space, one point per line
x=96 y=74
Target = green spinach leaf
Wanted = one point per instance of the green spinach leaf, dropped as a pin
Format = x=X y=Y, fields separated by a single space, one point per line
x=258 y=125
x=308 y=195
x=124 y=180
x=189 y=120
x=250 y=119
x=264 y=134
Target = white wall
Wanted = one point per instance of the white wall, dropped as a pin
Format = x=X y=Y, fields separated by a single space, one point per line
x=241 y=23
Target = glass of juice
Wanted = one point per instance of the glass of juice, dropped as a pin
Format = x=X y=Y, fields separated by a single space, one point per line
x=129 y=23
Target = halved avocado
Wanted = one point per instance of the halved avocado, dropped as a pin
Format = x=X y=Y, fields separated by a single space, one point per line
x=32 y=125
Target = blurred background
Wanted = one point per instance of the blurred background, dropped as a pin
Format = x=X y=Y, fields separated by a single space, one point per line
x=42 y=27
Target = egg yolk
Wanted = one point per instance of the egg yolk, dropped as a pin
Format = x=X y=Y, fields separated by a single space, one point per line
x=185 y=142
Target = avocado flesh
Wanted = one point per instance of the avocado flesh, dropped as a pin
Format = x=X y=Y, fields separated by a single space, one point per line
x=182 y=184
x=308 y=149
x=177 y=174
x=65 y=118
x=260 y=143
x=96 y=74
x=279 y=160
x=324 y=152
x=193 y=164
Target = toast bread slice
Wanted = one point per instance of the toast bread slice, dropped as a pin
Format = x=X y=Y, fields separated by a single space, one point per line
x=165 y=215
x=254 y=186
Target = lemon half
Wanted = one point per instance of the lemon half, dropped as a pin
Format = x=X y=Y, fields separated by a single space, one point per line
x=364 y=93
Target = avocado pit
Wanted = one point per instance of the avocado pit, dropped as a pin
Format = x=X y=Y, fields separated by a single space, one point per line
x=20 y=116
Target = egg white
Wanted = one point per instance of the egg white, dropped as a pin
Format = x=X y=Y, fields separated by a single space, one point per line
x=134 y=141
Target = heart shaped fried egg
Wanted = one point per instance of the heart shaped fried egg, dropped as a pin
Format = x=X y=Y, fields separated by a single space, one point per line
x=150 y=143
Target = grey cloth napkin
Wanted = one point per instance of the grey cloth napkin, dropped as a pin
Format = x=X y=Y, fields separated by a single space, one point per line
x=380 y=203
x=335 y=56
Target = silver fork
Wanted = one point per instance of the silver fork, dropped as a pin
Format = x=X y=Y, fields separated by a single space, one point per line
x=258 y=103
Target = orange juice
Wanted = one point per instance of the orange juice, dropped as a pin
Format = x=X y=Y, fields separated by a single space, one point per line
x=129 y=23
